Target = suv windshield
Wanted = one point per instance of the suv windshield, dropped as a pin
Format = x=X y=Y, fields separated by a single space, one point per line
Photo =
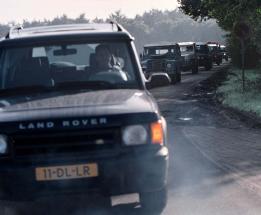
x=202 y=49
x=213 y=47
x=159 y=51
x=55 y=65
x=186 y=49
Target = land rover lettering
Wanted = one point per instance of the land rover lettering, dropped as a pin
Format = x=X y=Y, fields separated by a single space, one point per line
x=38 y=125
x=64 y=123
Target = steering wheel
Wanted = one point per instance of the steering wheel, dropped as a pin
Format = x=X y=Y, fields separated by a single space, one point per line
x=112 y=76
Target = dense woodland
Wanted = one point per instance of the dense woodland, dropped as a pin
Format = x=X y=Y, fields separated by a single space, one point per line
x=151 y=27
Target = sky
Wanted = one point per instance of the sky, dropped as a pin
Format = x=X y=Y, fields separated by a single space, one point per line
x=19 y=10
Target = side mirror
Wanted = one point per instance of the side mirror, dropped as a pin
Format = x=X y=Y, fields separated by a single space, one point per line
x=158 y=80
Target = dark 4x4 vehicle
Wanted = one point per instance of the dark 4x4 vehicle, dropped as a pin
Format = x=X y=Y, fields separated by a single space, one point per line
x=204 y=55
x=158 y=58
x=75 y=116
x=216 y=53
x=190 y=57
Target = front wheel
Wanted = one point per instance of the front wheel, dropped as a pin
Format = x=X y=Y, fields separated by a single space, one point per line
x=153 y=202
x=195 y=68
x=207 y=67
x=173 y=78
x=179 y=77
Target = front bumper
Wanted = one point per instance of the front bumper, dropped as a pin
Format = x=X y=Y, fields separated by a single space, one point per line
x=203 y=61
x=140 y=169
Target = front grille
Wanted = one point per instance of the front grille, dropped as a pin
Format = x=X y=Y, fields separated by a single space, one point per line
x=156 y=65
x=69 y=142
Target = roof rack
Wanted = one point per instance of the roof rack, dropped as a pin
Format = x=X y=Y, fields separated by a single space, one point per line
x=120 y=28
x=117 y=25
x=14 y=30
x=111 y=26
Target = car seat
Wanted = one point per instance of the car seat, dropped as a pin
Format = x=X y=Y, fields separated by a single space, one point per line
x=33 y=71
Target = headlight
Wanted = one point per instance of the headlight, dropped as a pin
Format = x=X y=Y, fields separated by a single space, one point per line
x=3 y=144
x=135 y=135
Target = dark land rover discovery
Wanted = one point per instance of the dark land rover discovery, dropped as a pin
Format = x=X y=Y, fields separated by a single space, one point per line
x=76 y=116
x=204 y=55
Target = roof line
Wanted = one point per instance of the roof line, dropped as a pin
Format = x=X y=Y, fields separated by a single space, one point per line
x=16 y=28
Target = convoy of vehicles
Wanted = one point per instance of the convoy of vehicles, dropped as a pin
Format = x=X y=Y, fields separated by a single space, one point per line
x=70 y=124
x=163 y=57
x=171 y=58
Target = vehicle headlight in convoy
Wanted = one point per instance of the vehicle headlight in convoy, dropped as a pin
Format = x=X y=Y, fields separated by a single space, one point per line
x=169 y=65
x=3 y=144
x=135 y=135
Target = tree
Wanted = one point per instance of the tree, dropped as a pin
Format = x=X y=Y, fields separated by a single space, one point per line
x=152 y=27
x=226 y=12
x=81 y=19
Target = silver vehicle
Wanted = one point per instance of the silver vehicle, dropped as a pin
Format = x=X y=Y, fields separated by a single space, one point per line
x=189 y=55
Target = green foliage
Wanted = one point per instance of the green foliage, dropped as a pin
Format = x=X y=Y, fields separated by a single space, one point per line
x=251 y=56
x=233 y=96
x=226 y=12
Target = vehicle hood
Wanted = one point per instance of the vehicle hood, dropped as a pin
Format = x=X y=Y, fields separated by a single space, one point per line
x=91 y=103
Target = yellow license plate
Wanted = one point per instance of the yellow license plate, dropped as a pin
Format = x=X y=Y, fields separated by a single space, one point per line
x=66 y=172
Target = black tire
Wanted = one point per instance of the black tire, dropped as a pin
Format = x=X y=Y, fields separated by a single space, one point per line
x=195 y=69
x=153 y=202
x=207 y=67
x=179 y=77
x=173 y=79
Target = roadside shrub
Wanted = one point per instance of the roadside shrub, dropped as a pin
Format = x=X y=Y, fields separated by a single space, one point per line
x=252 y=56
x=232 y=95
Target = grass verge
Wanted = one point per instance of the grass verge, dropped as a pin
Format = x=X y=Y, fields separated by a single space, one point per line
x=233 y=96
